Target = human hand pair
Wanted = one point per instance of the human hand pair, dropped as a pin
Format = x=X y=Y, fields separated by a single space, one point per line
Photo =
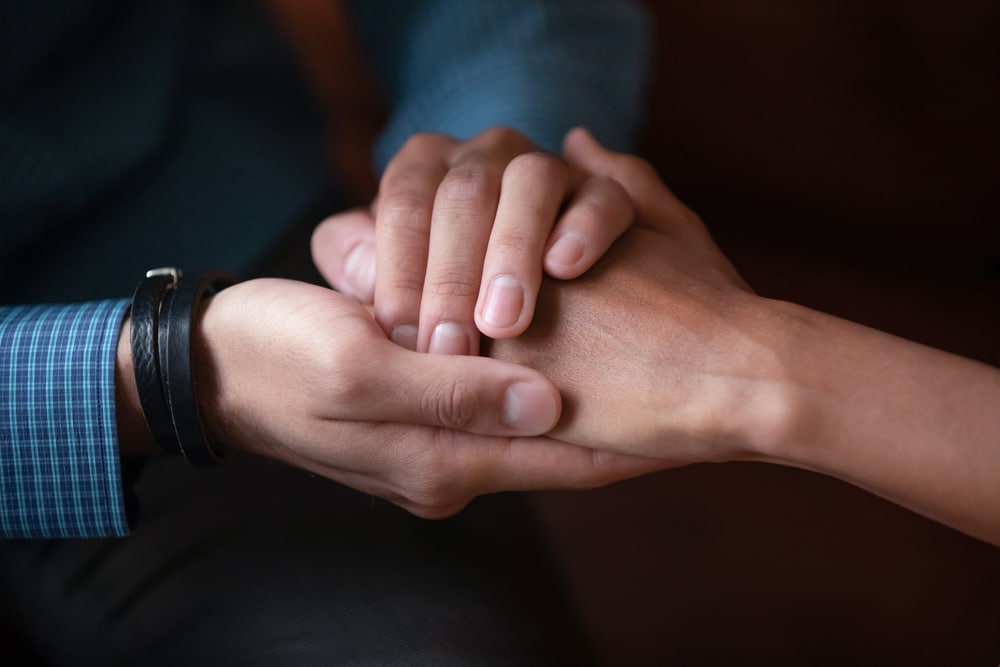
x=662 y=350
x=304 y=375
x=307 y=376
x=640 y=346
x=461 y=232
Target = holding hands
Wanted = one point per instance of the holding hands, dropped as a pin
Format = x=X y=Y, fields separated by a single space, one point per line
x=660 y=356
x=602 y=338
x=308 y=376
x=460 y=233
x=304 y=375
x=663 y=354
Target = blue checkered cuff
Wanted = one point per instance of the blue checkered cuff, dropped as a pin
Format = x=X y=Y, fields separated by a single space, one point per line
x=60 y=474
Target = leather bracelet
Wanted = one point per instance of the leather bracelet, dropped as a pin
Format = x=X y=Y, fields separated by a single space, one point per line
x=144 y=342
x=176 y=363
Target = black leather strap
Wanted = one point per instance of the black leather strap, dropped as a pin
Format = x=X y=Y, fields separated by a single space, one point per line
x=144 y=342
x=177 y=370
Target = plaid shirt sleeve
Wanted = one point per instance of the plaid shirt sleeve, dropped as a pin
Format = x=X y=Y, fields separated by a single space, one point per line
x=60 y=472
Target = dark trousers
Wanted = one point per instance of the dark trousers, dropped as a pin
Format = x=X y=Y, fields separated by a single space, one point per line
x=254 y=563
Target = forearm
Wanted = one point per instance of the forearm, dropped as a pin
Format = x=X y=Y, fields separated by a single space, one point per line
x=663 y=351
x=915 y=425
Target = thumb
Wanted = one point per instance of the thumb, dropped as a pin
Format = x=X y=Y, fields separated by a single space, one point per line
x=464 y=393
x=343 y=249
x=655 y=204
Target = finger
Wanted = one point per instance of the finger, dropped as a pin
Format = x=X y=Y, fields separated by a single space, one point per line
x=464 y=212
x=402 y=224
x=465 y=393
x=343 y=250
x=654 y=203
x=533 y=188
x=599 y=212
x=453 y=468
x=490 y=465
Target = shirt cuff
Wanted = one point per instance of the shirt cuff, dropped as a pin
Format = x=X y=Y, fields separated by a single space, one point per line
x=60 y=473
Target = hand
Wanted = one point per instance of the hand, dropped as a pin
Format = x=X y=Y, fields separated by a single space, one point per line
x=657 y=349
x=663 y=351
x=461 y=231
x=304 y=375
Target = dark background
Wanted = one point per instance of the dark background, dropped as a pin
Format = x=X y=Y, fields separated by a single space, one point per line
x=844 y=155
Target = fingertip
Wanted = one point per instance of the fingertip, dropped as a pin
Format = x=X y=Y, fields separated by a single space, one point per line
x=334 y=244
x=562 y=272
x=577 y=135
x=580 y=142
x=564 y=257
x=490 y=331
x=405 y=335
x=505 y=307
x=359 y=272
x=530 y=408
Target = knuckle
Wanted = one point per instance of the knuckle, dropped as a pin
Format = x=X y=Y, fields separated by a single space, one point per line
x=466 y=183
x=405 y=209
x=501 y=134
x=513 y=242
x=452 y=405
x=537 y=165
x=402 y=285
x=424 y=142
x=433 y=496
x=343 y=374
x=602 y=468
x=453 y=284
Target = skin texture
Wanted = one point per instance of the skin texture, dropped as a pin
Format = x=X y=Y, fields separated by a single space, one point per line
x=308 y=376
x=682 y=362
x=658 y=340
x=461 y=232
x=663 y=351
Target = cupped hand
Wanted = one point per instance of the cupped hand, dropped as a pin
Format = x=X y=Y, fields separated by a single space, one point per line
x=461 y=232
x=304 y=375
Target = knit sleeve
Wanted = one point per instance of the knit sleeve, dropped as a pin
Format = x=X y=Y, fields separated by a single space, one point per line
x=60 y=473
x=539 y=66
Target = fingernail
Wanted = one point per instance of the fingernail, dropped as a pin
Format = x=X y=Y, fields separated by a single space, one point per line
x=359 y=269
x=405 y=335
x=529 y=408
x=449 y=338
x=504 y=300
x=568 y=249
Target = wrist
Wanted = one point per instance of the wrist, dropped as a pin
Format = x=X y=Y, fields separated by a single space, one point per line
x=207 y=363
x=807 y=372
x=763 y=400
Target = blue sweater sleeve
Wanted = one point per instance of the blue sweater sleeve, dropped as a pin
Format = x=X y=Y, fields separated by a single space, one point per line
x=59 y=464
x=539 y=66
